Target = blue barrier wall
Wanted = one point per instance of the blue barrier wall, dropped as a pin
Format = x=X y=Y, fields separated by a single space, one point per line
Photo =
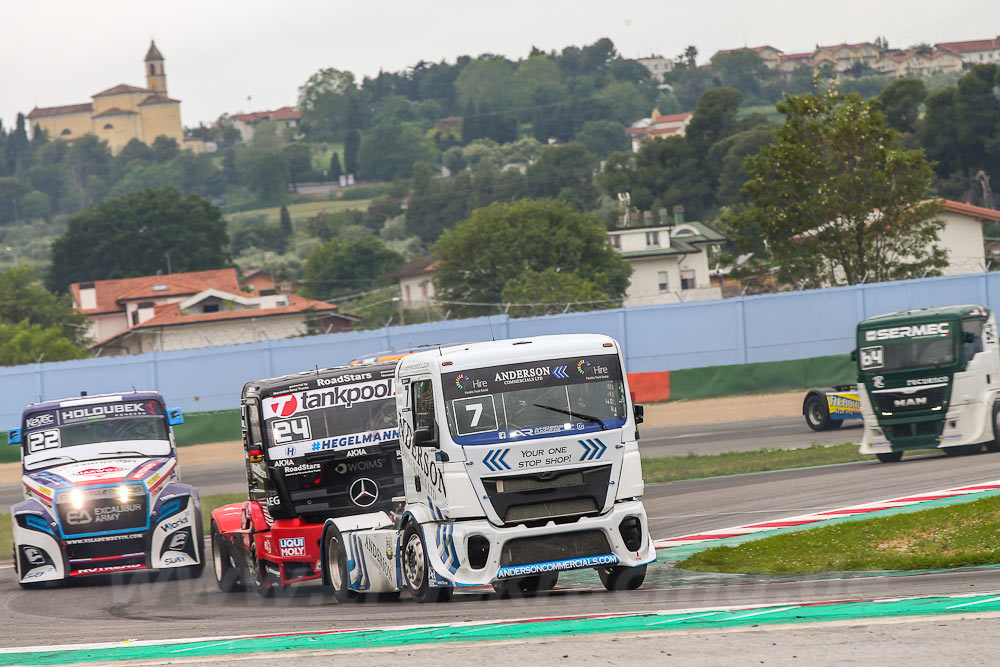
x=771 y=327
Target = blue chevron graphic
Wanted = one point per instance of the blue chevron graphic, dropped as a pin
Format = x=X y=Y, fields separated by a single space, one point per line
x=494 y=460
x=593 y=449
x=560 y=372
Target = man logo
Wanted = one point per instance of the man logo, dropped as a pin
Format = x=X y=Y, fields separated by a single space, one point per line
x=364 y=492
x=910 y=402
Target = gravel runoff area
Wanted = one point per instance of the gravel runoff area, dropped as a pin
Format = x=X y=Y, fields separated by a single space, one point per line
x=679 y=413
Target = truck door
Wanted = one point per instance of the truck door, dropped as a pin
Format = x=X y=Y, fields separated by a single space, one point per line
x=421 y=436
x=253 y=443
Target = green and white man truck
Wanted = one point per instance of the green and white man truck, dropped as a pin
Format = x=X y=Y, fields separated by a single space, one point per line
x=929 y=379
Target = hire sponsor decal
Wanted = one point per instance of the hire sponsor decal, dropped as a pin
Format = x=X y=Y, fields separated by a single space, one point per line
x=344 y=396
x=292 y=546
x=556 y=566
x=936 y=329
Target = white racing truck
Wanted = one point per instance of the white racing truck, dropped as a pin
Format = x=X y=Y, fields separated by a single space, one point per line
x=520 y=461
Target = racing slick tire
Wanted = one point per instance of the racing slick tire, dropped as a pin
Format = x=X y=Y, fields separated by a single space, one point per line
x=620 y=578
x=889 y=457
x=994 y=444
x=335 y=566
x=227 y=575
x=415 y=568
x=257 y=575
x=817 y=415
x=526 y=586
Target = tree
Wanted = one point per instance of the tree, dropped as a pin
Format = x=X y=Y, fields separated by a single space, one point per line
x=285 y=225
x=352 y=145
x=340 y=267
x=264 y=172
x=25 y=343
x=551 y=291
x=24 y=298
x=165 y=149
x=503 y=241
x=134 y=150
x=484 y=81
x=901 y=102
x=132 y=234
x=298 y=157
x=36 y=205
x=603 y=137
x=742 y=69
x=324 y=101
x=836 y=200
x=390 y=150
x=558 y=168
x=335 y=170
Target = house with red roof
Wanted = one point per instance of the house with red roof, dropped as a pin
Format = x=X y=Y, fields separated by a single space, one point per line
x=121 y=113
x=416 y=282
x=195 y=309
x=247 y=123
x=658 y=126
x=768 y=54
x=918 y=62
x=976 y=51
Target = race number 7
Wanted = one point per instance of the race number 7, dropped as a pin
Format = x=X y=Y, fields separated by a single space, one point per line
x=477 y=410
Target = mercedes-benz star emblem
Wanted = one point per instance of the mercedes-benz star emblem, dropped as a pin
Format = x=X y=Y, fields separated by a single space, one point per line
x=364 y=492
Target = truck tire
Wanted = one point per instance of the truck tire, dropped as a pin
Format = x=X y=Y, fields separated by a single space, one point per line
x=526 y=586
x=227 y=575
x=257 y=575
x=620 y=578
x=335 y=566
x=889 y=457
x=994 y=444
x=963 y=450
x=818 y=414
x=415 y=568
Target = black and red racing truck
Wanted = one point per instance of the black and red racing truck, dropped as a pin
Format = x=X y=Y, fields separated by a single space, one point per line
x=319 y=444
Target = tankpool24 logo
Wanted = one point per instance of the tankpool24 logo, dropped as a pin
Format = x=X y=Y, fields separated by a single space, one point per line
x=458 y=380
x=582 y=365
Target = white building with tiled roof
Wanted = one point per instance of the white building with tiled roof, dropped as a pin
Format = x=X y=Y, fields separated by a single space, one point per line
x=976 y=51
x=197 y=309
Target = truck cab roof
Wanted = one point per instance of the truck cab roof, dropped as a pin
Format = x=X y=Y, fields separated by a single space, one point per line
x=90 y=399
x=968 y=310
x=284 y=384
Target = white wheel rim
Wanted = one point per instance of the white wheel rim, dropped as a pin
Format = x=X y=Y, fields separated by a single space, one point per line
x=217 y=558
x=333 y=563
x=413 y=562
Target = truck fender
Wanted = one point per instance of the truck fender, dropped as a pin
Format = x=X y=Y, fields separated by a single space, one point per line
x=419 y=514
x=819 y=393
x=347 y=524
x=228 y=518
x=176 y=538
x=41 y=540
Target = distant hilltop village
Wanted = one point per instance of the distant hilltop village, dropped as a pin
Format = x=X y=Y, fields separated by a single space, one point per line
x=120 y=113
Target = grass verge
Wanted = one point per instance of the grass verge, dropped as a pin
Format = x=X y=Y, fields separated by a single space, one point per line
x=208 y=503
x=943 y=537
x=303 y=210
x=696 y=466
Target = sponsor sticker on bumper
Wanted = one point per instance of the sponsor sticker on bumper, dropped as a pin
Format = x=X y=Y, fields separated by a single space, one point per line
x=603 y=560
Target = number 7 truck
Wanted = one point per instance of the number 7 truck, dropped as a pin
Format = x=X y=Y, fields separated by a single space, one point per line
x=929 y=379
x=520 y=461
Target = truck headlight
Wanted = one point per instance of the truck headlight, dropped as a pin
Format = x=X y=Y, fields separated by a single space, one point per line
x=76 y=498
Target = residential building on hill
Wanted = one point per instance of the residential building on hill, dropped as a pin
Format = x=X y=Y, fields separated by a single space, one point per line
x=416 y=284
x=657 y=66
x=120 y=113
x=669 y=259
x=246 y=123
x=673 y=125
x=976 y=51
x=768 y=54
x=918 y=62
x=197 y=309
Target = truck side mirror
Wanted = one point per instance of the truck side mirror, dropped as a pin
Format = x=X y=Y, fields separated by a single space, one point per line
x=423 y=436
x=639 y=412
x=14 y=436
x=175 y=416
x=854 y=354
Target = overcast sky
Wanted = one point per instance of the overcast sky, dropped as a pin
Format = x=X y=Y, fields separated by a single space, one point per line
x=219 y=53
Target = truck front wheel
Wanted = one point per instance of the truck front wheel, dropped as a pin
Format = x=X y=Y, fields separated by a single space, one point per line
x=818 y=414
x=336 y=566
x=227 y=575
x=994 y=445
x=622 y=578
x=416 y=568
x=889 y=457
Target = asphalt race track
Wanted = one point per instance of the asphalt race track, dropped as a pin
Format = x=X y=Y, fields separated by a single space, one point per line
x=102 y=609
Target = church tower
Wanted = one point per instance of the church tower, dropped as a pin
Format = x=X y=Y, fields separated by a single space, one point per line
x=156 y=77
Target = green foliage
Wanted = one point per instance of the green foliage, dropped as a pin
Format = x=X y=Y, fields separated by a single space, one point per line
x=390 y=150
x=130 y=236
x=481 y=255
x=551 y=291
x=335 y=169
x=324 y=101
x=484 y=81
x=741 y=69
x=340 y=267
x=352 y=146
x=835 y=198
x=24 y=298
x=26 y=343
x=298 y=158
x=265 y=172
x=566 y=169
x=36 y=205
x=165 y=149
x=901 y=102
x=603 y=137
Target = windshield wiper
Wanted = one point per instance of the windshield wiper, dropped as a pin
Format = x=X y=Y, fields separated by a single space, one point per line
x=574 y=414
x=123 y=452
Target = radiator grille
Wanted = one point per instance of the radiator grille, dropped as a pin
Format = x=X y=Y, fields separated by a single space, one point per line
x=554 y=547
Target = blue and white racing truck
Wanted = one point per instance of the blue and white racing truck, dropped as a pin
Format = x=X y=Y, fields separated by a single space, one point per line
x=520 y=461
x=102 y=491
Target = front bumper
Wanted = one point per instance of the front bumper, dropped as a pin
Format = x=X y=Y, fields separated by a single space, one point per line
x=965 y=424
x=516 y=551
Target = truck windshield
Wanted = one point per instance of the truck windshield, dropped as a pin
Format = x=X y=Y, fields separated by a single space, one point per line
x=881 y=352
x=335 y=418
x=534 y=399
x=49 y=433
